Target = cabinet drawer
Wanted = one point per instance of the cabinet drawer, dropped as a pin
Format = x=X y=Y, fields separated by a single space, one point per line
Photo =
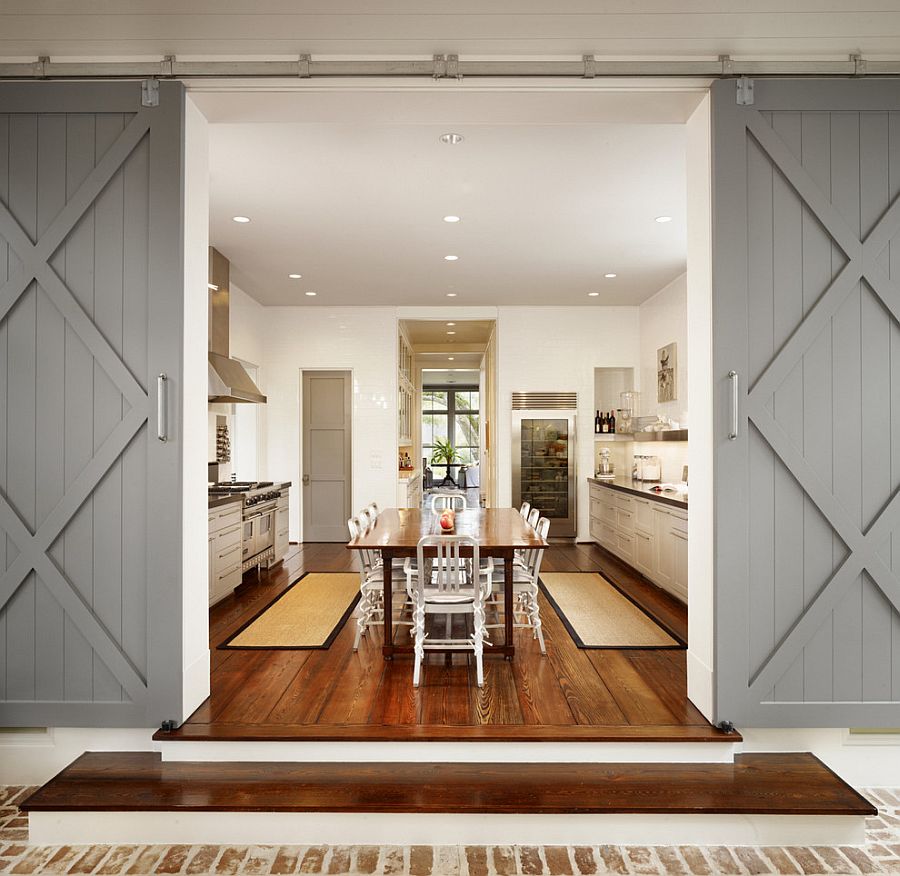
x=643 y=516
x=222 y=518
x=596 y=529
x=228 y=538
x=678 y=523
x=625 y=520
x=626 y=503
x=228 y=556
x=596 y=508
x=228 y=579
x=608 y=535
x=625 y=546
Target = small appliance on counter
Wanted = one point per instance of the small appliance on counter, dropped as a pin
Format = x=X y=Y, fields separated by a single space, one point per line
x=604 y=466
x=646 y=468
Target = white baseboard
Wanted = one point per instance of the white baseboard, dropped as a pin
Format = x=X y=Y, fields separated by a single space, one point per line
x=450 y=752
x=700 y=685
x=264 y=828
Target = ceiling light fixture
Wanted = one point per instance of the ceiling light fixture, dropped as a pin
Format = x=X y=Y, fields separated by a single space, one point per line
x=450 y=358
x=212 y=286
x=310 y=294
x=451 y=219
x=662 y=219
x=243 y=220
x=452 y=139
x=450 y=258
x=451 y=323
x=451 y=333
x=610 y=276
x=451 y=295
x=593 y=294
x=295 y=276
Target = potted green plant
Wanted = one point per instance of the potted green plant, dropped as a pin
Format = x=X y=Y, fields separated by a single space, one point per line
x=443 y=453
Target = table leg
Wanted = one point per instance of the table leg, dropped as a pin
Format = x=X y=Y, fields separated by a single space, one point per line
x=508 y=604
x=388 y=647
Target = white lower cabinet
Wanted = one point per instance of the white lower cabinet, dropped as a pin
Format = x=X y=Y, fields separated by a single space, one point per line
x=282 y=538
x=409 y=492
x=644 y=533
x=224 y=550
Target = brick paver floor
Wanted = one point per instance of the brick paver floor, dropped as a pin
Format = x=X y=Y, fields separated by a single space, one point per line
x=880 y=854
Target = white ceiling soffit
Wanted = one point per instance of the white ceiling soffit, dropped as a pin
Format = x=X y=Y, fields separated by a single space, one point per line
x=458 y=376
x=620 y=28
x=357 y=209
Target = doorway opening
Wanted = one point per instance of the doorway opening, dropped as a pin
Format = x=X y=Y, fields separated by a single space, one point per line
x=586 y=279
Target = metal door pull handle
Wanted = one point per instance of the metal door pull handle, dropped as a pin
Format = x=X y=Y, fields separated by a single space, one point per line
x=162 y=426
x=733 y=376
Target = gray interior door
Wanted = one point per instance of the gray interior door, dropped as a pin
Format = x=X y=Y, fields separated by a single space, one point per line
x=91 y=278
x=326 y=455
x=806 y=278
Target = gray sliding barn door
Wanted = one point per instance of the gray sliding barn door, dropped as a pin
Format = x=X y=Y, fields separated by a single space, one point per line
x=806 y=278
x=91 y=287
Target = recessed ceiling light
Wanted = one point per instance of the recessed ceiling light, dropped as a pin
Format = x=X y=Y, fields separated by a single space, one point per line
x=451 y=333
x=242 y=219
x=451 y=323
x=451 y=218
x=212 y=286
x=663 y=219
x=451 y=295
x=450 y=358
x=295 y=276
x=450 y=258
x=452 y=139
x=451 y=381
x=593 y=294
x=610 y=276
x=310 y=294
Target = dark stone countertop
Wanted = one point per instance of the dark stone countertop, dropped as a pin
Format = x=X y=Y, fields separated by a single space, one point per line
x=643 y=489
x=217 y=501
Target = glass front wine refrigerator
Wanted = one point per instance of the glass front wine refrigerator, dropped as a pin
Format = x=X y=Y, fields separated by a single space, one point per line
x=543 y=457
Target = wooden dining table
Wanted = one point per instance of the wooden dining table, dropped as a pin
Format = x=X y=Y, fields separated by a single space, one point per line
x=500 y=533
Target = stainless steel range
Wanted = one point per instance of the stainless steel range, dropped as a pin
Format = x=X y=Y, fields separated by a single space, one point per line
x=258 y=503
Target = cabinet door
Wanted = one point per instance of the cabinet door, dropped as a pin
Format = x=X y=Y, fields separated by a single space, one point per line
x=645 y=558
x=805 y=313
x=282 y=539
x=643 y=515
x=680 y=567
x=665 y=549
x=211 y=543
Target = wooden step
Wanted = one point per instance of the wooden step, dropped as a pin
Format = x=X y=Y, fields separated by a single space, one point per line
x=760 y=799
x=761 y=784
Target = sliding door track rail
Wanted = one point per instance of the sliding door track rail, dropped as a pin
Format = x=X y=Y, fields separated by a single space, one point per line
x=443 y=67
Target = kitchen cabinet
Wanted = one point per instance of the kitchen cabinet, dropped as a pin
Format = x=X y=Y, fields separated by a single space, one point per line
x=409 y=492
x=224 y=543
x=282 y=526
x=646 y=534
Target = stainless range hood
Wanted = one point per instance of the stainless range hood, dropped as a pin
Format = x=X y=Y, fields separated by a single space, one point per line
x=228 y=380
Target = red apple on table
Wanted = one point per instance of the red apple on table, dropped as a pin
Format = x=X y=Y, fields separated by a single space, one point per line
x=447 y=519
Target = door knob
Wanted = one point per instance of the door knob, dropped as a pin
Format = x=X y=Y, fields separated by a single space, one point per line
x=305 y=479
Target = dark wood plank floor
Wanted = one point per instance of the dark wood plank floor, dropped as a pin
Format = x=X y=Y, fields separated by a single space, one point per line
x=787 y=784
x=336 y=693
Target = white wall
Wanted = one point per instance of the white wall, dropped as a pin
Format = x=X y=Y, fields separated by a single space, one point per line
x=558 y=348
x=700 y=447
x=361 y=339
x=195 y=572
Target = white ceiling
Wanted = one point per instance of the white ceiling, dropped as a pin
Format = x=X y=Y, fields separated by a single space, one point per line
x=623 y=28
x=428 y=333
x=457 y=376
x=547 y=210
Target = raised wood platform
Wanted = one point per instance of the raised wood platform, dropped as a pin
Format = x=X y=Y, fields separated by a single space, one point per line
x=337 y=694
x=762 y=784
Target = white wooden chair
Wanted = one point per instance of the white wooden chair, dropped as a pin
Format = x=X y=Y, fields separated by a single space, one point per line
x=456 y=501
x=526 y=610
x=524 y=509
x=443 y=585
x=533 y=516
x=370 y=609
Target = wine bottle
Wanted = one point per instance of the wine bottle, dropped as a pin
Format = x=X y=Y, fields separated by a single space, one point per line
x=612 y=422
x=604 y=425
x=597 y=423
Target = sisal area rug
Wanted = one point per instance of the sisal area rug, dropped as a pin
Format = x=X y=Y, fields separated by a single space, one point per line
x=597 y=615
x=308 y=615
